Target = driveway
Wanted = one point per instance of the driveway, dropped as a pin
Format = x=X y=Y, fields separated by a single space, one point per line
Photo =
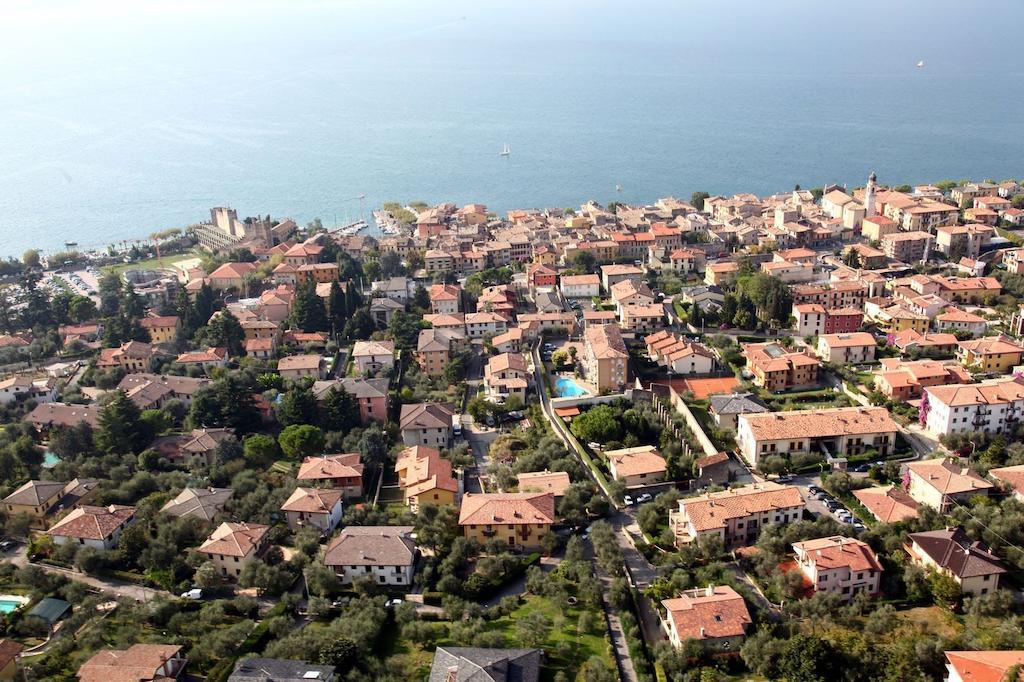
x=479 y=439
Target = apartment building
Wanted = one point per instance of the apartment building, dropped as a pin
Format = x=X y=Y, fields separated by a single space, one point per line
x=426 y=424
x=605 y=358
x=993 y=406
x=901 y=380
x=514 y=519
x=777 y=369
x=963 y=241
x=837 y=431
x=943 y=483
x=908 y=247
x=953 y=553
x=989 y=355
x=385 y=553
x=846 y=349
x=814 y=319
x=580 y=286
x=735 y=516
x=716 y=617
x=679 y=354
x=371 y=357
x=445 y=298
x=839 y=565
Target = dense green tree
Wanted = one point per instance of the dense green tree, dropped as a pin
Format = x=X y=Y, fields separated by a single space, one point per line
x=360 y=326
x=806 y=658
x=598 y=424
x=227 y=402
x=298 y=406
x=697 y=200
x=109 y=290
x=404 y=330
x=339 y=411
x=120 y=429
x=584 y=262
x=225 y=331
x=260 y=450
x=337 y=309
x=390 y=265
x=204 y=304
x=421 y=298
x=373 y=445
x=308 y=312
x=301 y=440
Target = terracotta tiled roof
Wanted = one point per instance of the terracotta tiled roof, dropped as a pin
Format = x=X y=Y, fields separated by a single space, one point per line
x=372 y=348
x=888 y=504
x=235 y=539
x=507 y=508
x=554 y=482
x=838 y=552
x=850 y=340
x=1013 y=476
x=298 y=362
x=985 y=666
x=644 y=459
x=137 y=663
x=232 y=271
x=713 y=510
x=312 y=500
x=708 y=613
x=846 y=421
x=346 y=465
x=949 y=478
x=997 y=392
x=92 y=523
x=605 y=341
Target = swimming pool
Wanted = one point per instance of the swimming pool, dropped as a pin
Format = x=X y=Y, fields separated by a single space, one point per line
x=568 y=388
x=11 y=602
x=50 y=460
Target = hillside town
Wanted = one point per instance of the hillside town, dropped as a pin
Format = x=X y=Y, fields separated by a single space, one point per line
x=722 y=438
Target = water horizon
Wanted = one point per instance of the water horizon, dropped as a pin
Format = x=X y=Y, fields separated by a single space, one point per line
x=138 y=119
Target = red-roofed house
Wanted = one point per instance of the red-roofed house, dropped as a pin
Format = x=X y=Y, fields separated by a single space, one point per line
x=840 y=565
x=715 y=616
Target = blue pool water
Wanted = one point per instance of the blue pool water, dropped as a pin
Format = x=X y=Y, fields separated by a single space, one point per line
x=567 y=388
x=50 y=459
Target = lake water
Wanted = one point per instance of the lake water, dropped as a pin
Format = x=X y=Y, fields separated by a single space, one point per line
x=122 y=118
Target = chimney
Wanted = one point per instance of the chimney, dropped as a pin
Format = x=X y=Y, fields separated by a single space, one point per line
x=710 y=592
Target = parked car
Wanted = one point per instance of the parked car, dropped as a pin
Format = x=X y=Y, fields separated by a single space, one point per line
x=821 y=496
x=813 y=488
x=194 y=594
x=628 y=501
x=862 y=468
x=646 y=497
x=787 y=478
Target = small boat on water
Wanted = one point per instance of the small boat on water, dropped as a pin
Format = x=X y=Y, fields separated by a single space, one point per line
x=505 y=151
x=920 y=64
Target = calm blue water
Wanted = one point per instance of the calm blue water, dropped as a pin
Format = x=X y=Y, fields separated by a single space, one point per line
x=568 y=388
x=122 y=118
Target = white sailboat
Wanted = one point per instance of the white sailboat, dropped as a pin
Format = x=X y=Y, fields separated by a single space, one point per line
x=920 y=64
x=505 y=151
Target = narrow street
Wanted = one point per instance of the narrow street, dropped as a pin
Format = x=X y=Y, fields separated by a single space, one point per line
x=109 y=585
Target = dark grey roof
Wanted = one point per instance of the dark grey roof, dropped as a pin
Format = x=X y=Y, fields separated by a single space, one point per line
x=354 y=386
x=737 y=403
x=202 y=503
x=381 y=303
x=50 y=609
x=953 y=550
x=279 y=670
x=34 y=493
x=548 y=302
x=472 y=664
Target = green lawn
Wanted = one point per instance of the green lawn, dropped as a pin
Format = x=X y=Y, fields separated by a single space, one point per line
x=416 y=659
x=152 y=263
